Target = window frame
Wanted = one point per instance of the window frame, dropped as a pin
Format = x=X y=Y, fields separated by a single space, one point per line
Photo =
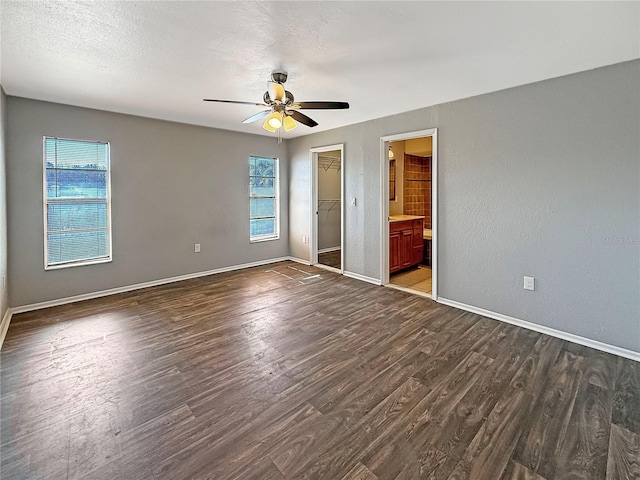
x=46 y=202
x=276 y=187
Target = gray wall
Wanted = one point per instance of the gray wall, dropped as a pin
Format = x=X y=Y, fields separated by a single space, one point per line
x=540 y=180
x=173 y=185
x=3 y=206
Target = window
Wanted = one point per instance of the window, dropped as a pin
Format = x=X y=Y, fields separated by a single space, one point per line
x=77 y=203
x=263 y=199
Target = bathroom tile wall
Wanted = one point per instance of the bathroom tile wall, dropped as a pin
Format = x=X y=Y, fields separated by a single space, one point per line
x=417 y=187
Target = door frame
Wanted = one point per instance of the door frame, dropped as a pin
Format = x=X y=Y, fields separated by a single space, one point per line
x=313 y=243
x=384 y=203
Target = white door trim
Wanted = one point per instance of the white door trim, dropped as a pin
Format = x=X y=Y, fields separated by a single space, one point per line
x=384 y=203
x=313 y=242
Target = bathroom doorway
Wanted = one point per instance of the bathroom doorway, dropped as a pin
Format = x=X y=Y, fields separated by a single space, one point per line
x=327 y=201
x=408 y=257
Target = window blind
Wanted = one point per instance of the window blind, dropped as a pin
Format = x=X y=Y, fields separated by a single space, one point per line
x=77 y=202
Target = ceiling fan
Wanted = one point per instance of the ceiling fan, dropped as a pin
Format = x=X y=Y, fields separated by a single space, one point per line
x=281 y=109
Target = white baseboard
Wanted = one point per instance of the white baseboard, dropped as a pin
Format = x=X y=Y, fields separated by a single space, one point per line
x=587 y=342
x=4 y=325
x=299 y=260
x=138 y=286
x=364 y=278
x=327 y=250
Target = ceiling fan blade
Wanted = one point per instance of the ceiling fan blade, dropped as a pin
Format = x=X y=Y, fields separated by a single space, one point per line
x=302 y=118
x=234 y=101
x=321 y=105
x=276 y=91
x=257 y=116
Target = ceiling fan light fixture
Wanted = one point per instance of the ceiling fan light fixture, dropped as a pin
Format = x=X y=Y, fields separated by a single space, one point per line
x=289 y=123
x=268 y=127
x=273 y=122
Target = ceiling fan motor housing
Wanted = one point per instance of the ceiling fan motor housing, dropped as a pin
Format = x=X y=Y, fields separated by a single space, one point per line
x=279 y=77
x=288 y=98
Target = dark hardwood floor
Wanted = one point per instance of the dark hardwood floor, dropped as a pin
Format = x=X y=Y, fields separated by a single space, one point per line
x=293 y=372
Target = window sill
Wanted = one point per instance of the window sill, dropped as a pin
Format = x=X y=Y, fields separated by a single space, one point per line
x=78 y=264
x=264 y=239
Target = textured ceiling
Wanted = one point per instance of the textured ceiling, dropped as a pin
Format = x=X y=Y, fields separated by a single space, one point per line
x=159 y=59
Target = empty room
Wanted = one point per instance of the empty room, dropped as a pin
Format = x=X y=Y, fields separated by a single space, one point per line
x=320 y=240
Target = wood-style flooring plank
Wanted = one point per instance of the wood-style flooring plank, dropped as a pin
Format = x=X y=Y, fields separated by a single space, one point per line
x=600 y=369
x=548 y=421
x=515 y=471
x=403 y=450
x=304 y=440
x=441 y=357
x=220 y=453
x=624 y=455
x=458 y=429
x=626 y=403
x=359 y=472
x=335 y=459
x=491 y=448
x=583 y=453
x=41 y=454
x=535 y=368
x=354 y=399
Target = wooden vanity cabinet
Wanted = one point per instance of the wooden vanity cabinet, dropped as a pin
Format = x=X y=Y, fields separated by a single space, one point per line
x=394 y=252
x=405 y=244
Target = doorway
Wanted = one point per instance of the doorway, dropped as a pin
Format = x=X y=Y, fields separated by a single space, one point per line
x=327 y=202
x=409 y=212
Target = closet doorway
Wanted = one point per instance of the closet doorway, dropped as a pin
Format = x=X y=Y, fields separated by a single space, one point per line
x=327 y=202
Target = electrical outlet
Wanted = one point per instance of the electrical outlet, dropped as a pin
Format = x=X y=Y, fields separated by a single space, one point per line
x=196 y=248
x=529 y=283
